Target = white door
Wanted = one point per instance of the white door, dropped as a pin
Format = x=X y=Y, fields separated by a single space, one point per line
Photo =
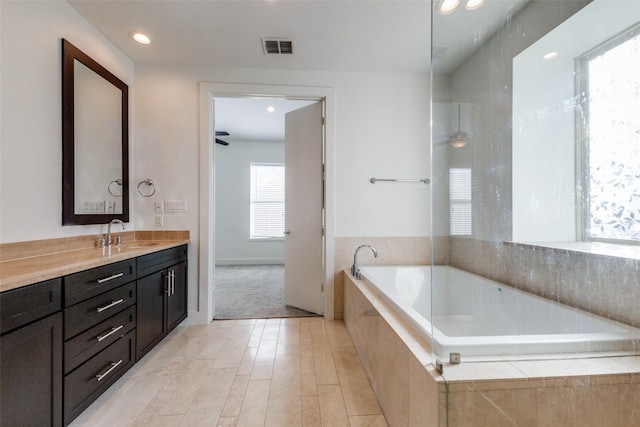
x=303 y=209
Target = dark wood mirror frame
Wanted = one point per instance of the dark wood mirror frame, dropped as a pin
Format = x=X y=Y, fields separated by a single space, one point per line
x=69 y=217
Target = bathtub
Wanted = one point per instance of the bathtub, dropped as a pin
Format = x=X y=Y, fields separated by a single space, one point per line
x=475 y=316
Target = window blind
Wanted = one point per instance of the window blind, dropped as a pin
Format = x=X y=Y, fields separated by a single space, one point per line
x=267 y=201
x=460 y=201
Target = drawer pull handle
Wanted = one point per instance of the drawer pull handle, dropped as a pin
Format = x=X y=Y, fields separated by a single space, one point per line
x=106 y=279
x=113 y=366
x=108 y=306
x=107 y=334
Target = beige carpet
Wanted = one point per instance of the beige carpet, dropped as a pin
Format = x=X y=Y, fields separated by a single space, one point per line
x=252 y=292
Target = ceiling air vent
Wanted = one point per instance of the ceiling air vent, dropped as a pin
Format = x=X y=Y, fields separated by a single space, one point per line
x=277 y=46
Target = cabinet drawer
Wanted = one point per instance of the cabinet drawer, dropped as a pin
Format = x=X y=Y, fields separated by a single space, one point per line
x=151 y=263
x=94 y=340
x=28 y=303
x=93 y=311
x=86 y=284
x=85 y=384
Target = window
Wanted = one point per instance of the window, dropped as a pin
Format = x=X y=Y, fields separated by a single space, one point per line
x=267 y=201
x=460 y=201
x=610 y=80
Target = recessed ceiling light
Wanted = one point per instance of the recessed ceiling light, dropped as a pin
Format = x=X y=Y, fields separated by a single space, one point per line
x=140 y=38
x=445 y=7
x=550 y=55
x=271 y=109
x=473 y=4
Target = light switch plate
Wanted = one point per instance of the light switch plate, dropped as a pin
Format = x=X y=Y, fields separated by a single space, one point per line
x=159 y=206
x=175 y=206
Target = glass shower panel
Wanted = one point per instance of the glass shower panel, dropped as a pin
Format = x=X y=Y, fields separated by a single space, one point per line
x=535 y=155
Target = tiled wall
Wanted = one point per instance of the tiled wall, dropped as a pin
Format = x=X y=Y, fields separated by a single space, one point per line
x=604 y=285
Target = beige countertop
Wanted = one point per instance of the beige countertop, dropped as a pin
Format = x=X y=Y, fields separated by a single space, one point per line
x=19 y=272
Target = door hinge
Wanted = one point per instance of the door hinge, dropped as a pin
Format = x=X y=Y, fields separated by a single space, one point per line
x=321 y=287
x=322 y=121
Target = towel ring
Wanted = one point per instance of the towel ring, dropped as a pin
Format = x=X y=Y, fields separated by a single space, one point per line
x=117 y=181
x=149 y=183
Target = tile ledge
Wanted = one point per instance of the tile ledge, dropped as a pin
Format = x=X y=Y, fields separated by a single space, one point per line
x=593 y=248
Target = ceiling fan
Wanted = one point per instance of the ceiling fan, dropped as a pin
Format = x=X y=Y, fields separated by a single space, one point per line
x=221 y=133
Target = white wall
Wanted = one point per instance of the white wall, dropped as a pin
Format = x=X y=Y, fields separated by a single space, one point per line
x=232 y=203
x=30 y=84
x=381 y=130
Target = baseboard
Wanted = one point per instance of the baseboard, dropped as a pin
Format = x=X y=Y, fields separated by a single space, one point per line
x=250 y=261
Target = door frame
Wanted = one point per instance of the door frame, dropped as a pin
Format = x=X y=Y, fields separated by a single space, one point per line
x=206 y=239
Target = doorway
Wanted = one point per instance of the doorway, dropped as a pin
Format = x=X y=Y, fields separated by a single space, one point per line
x=206 y=259
x=251 y=151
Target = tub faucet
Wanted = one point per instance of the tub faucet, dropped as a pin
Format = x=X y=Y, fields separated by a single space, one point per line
x=115 y=221
x=355 y=271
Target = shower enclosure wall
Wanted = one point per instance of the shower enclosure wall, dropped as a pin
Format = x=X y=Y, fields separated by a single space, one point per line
x=536 y=163
x=535 y=195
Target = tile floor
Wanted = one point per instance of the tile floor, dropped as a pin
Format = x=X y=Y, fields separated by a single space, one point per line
x=265 y=372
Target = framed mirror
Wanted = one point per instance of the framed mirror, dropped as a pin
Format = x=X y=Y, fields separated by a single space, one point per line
x=95 y=141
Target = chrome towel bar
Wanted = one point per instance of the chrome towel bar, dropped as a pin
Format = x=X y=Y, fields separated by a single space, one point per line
x=424 y=181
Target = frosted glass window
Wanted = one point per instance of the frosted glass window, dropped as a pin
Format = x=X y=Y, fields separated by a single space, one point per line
x=460 y=201
x=267 y=201
x=612 y=140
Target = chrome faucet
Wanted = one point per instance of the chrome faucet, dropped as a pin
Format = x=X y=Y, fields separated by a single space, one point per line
x=115 y=221
x=355 y=271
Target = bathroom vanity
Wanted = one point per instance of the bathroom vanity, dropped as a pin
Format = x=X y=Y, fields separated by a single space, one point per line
x=67 y=339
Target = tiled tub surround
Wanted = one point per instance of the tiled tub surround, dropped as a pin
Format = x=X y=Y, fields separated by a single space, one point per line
x=608 y=286
x=475 y=316
x=391 y=251
x=567 y=391
x=24 y=263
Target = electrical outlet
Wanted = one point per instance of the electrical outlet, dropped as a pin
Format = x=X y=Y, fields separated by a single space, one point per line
x=159 y=205
x=159 y=222
x=175 y=206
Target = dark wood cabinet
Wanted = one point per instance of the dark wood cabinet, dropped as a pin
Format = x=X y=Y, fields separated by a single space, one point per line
x=177 y=300
x=63 y=342
x=31 y=356
x=151 y=327
x=99 y=332
x=161 y=296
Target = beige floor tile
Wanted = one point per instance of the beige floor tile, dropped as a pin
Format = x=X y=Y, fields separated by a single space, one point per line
x=337 y=334
x=254 y=406
x=289 y=339
x=368 y=421
x=159 y=421
x=284 y=407
x=311 y=412
x=324 y=365
x=332 y=410
x=241 y=373
x=358 y=395
x=233 y=349
x=206 y=407
x=256 y=334
x=236 y=396
x=227 y=422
